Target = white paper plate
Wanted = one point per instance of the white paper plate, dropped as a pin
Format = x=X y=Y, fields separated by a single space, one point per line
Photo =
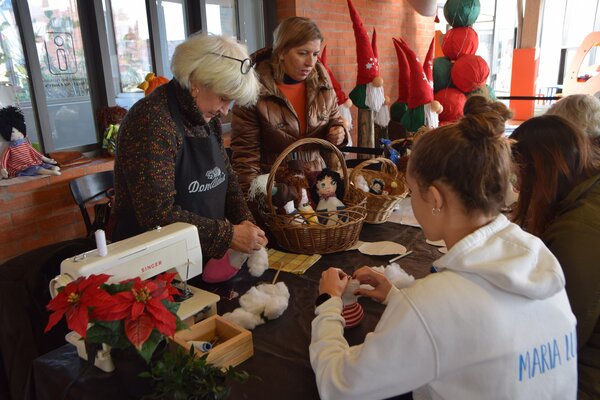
x=437 y=243
x=384 y=248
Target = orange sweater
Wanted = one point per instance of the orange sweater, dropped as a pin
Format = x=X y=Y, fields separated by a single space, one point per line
x=296 y=94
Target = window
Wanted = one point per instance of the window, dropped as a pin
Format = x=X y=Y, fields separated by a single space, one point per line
x=13 y=72
x=62 y=63
x=57 y=67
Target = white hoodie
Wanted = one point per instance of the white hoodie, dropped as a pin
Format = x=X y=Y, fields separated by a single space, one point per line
x=493 y=323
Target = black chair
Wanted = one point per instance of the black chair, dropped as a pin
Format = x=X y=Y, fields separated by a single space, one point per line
x=91 y=187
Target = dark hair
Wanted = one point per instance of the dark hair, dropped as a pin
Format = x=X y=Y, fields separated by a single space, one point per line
x=11 y=117
x=292 y=32
x=471 y=156
x=479 y=104
x=335 y=177
x=553 y=156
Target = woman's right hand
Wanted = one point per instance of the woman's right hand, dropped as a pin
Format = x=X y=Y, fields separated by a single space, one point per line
x=381 y=285
x=248 y=237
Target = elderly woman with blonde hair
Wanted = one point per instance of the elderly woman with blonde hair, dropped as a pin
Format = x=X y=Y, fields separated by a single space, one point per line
x=581 y=109
x=171 y=165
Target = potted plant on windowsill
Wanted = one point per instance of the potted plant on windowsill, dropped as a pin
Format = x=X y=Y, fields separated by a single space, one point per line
x=181 y=375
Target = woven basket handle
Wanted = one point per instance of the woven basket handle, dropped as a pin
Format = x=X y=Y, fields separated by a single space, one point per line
x=387 y=166
x=292 y=147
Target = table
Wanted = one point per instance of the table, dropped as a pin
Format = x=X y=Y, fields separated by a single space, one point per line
x=280 y=367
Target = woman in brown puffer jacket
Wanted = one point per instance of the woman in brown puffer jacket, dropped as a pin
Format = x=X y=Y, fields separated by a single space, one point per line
x=297 y=100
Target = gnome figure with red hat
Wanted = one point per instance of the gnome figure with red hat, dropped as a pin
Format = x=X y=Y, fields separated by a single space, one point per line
x=368 y=93
x=422 y=109
x=344 y=102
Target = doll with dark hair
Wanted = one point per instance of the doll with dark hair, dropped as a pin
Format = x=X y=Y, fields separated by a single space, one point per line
x=293 y=181
x=20 y=158
x=326 y=193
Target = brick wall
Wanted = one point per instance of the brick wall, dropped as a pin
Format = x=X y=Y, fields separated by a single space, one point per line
x=38 y=211
x=391 y=18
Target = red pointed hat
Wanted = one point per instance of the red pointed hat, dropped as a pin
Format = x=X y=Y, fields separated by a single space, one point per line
x=421 y=91
x=403 y=73
x=366 y=55
x=341 y=96
x=428 y=63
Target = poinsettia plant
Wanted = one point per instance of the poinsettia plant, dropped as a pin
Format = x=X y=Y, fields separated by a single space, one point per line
x=134 y=312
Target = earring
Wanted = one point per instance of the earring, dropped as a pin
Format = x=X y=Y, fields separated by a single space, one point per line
x=435 y=211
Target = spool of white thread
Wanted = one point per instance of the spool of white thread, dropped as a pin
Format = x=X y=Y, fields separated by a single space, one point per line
x=201 y=345
x=101 y=242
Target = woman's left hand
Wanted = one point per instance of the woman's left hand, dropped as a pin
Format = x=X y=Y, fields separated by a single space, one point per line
x=333 y=281
x=336 y=135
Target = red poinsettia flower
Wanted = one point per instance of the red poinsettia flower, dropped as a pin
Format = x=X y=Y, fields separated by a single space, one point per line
x=75 y=300
x=167 y=278
x=141 y=308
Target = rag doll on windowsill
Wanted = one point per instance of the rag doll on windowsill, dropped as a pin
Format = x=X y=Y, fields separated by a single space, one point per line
x=20 y=158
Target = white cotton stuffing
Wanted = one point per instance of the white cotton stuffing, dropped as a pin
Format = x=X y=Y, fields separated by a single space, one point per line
x=244 y=318
x=265 y=299
x=258 y=262
x=396 y=275
x=254 y=301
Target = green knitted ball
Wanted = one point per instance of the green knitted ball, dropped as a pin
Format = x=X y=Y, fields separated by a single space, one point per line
x=441 y=73
x=461 y=12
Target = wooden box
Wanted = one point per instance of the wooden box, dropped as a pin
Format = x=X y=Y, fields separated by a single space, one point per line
x=233 y=346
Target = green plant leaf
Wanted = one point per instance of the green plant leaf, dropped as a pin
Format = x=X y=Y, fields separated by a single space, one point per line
x=182 y=375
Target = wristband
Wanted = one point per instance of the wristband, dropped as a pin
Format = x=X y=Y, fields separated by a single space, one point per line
x=323 y=297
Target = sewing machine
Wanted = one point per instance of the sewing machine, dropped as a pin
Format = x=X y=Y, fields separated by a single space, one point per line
x=172 y=247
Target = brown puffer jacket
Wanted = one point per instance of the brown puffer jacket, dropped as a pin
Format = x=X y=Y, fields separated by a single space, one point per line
x=262 y=132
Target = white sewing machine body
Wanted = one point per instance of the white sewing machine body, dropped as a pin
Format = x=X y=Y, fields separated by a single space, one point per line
x=175 y=246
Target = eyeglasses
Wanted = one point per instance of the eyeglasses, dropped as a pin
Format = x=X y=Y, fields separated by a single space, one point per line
x=246 y=64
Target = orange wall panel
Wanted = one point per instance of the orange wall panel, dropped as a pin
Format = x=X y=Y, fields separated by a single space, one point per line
x=524 y=73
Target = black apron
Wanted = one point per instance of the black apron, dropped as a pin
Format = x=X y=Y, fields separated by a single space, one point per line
x=201 y=177
x=200 y=171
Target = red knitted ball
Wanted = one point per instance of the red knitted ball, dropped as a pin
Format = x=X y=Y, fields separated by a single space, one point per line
x=453 y=101
x=460 y=41
x=469 y=72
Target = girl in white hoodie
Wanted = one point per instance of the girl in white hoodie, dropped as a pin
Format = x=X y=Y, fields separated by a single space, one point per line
x=493 y=322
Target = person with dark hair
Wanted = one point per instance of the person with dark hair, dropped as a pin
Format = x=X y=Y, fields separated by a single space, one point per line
x=493 y=321
x=297 y=100
x=559 y=200
x=479 y=104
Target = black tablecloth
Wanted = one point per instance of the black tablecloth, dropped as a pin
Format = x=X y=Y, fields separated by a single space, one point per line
x=280 y=367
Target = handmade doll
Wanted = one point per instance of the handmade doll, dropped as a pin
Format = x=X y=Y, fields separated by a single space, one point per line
x=326 y=192
x=20 y=158
x=293 y=181
x=377 y=186
x=352 y=312
x=226 y=267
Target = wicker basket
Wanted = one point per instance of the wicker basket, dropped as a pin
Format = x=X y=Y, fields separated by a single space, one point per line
x=316 y=238
x=379 y=206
